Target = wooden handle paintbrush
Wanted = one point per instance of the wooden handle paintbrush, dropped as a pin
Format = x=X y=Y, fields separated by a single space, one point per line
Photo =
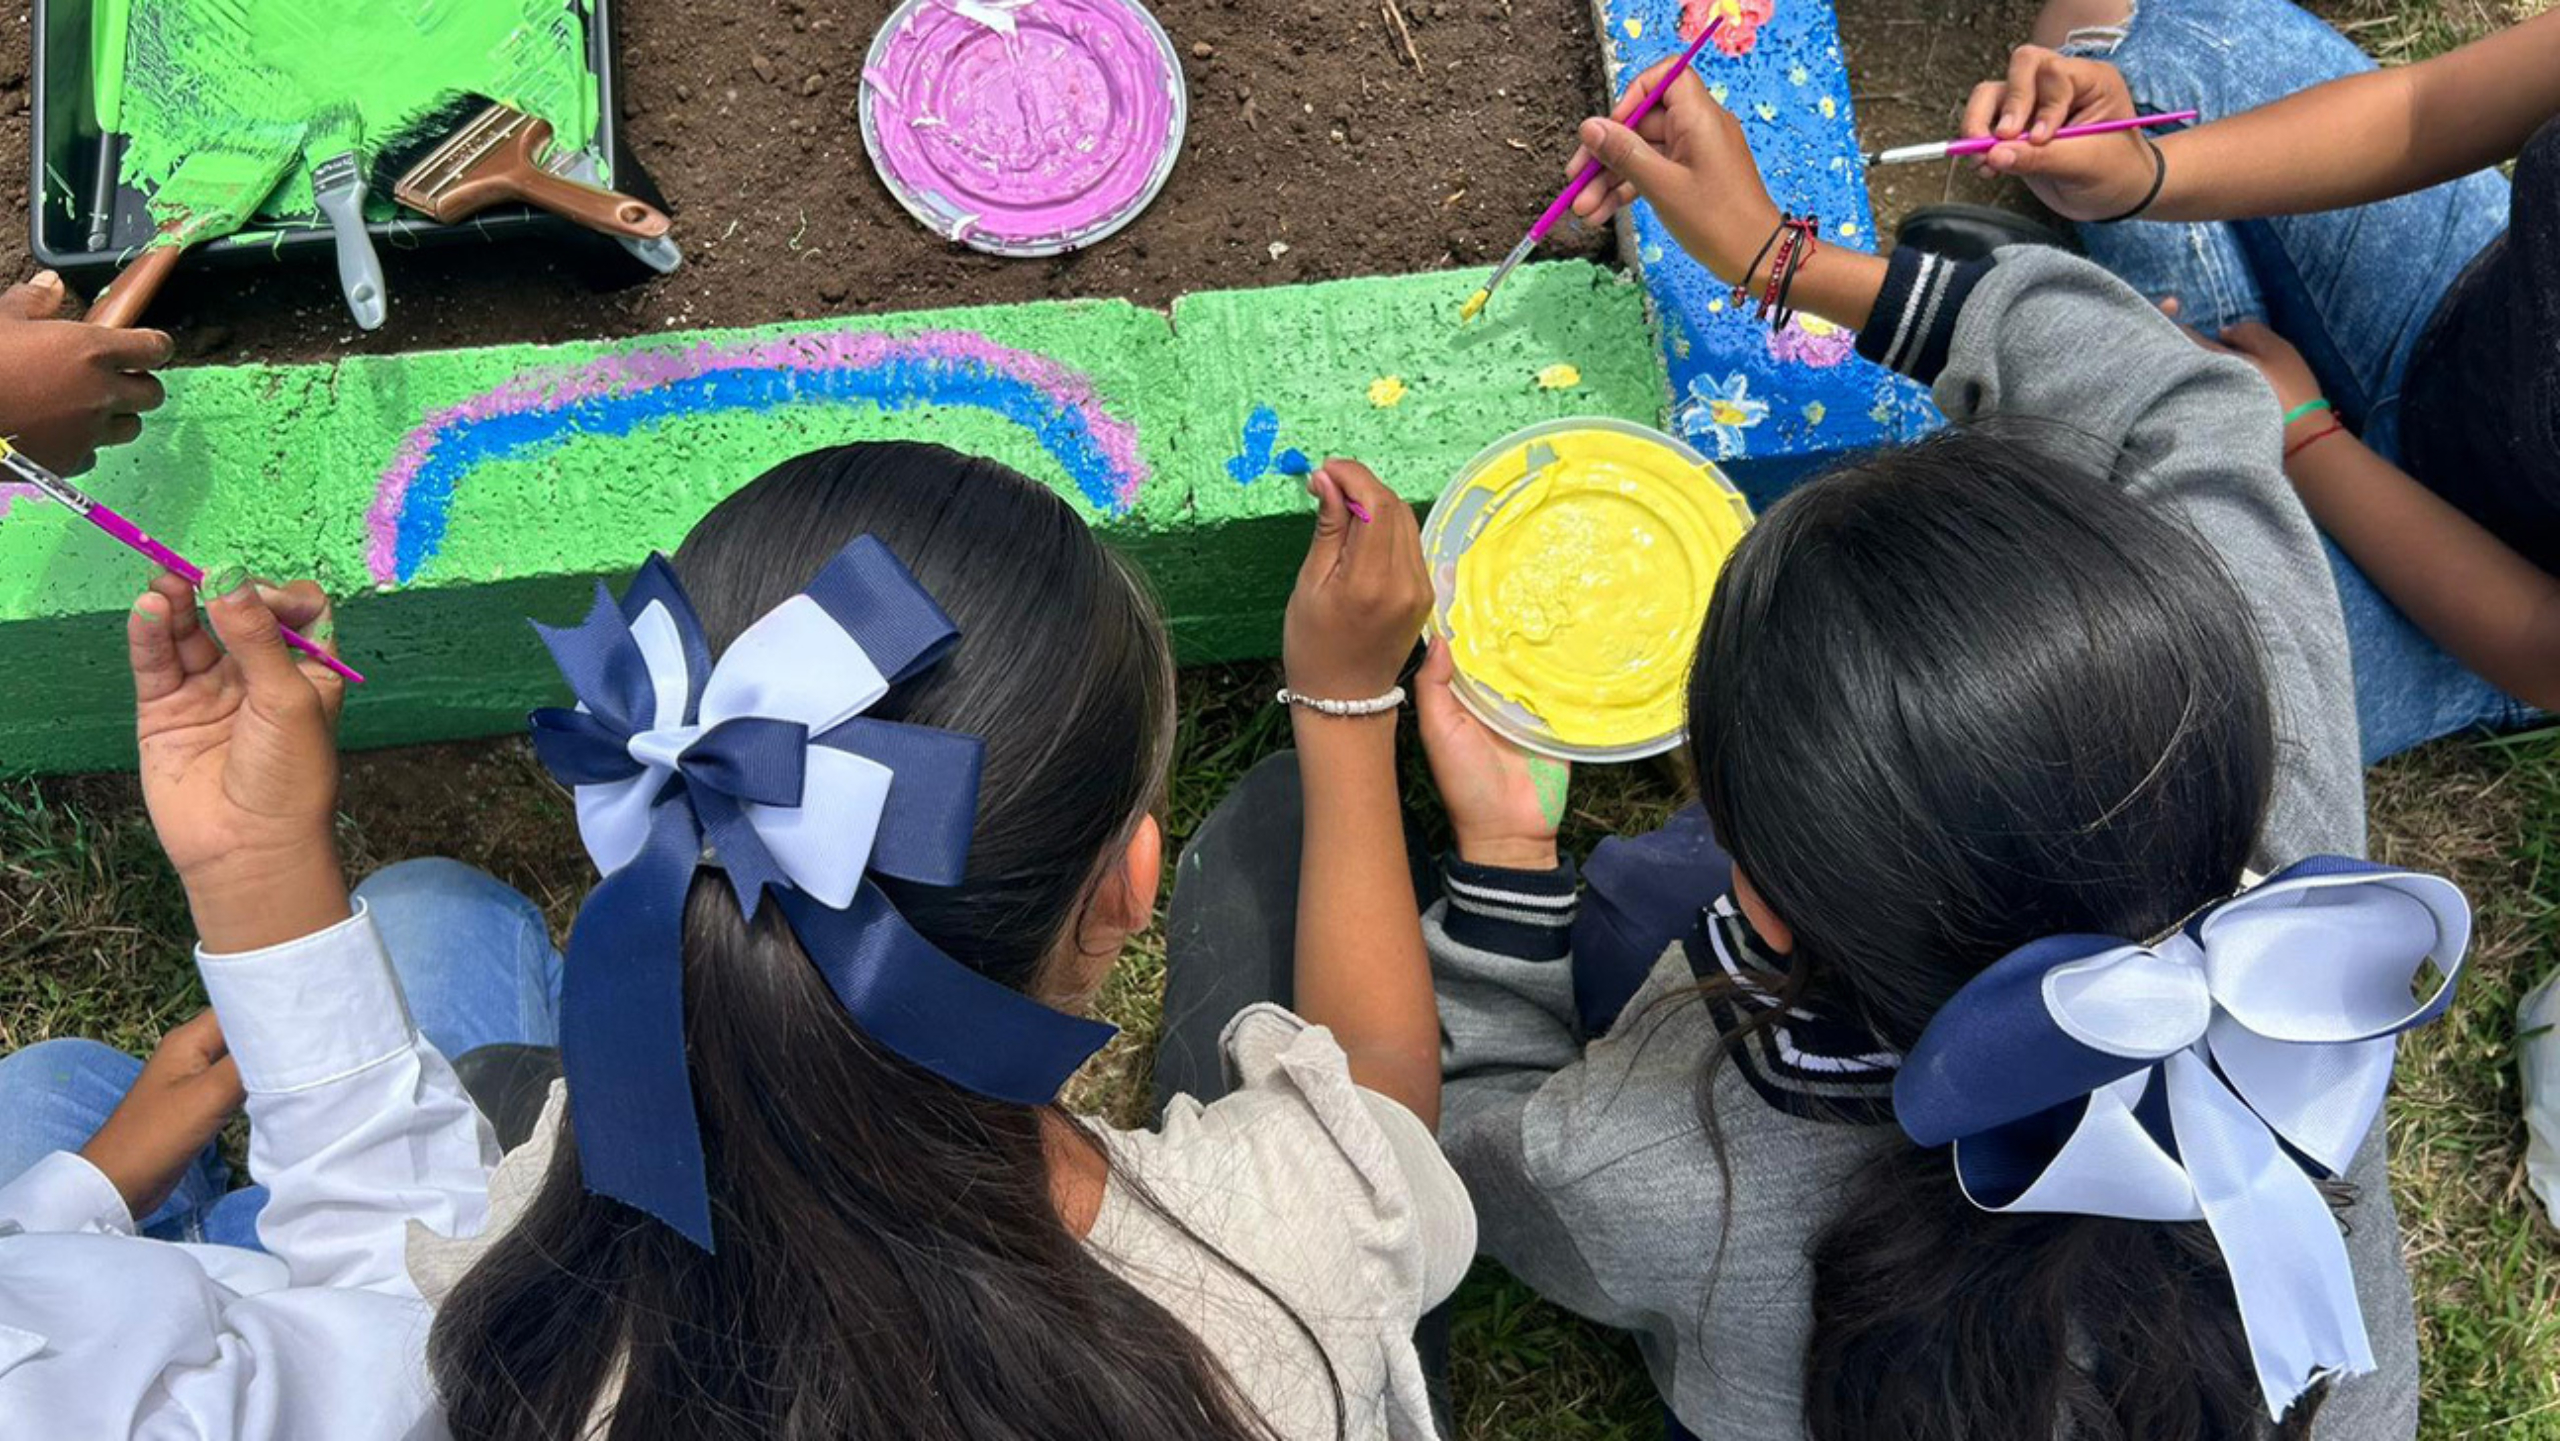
x=496 y=158
x=1563 y=205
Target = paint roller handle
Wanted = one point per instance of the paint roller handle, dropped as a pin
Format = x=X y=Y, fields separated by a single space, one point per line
x=131 y=292
x=597 y=209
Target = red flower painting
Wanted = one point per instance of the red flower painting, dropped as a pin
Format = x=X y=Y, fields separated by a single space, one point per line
x=1742 y=21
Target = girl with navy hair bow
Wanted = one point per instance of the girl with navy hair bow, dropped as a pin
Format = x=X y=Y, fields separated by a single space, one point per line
x=871 y=772
x=2017 y=1075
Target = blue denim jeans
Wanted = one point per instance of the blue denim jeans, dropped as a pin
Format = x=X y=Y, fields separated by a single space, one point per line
x=474 y=958
x=2352 y=288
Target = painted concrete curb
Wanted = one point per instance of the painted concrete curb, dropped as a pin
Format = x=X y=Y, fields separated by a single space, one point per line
x=449 y=495
x=1772 y=407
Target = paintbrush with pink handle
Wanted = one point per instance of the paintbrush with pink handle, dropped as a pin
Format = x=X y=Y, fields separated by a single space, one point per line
x=1947 y=149
x=18 y=463
x=1563 y=205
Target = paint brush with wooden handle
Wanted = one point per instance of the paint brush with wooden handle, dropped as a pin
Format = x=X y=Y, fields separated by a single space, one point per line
x=498 y=157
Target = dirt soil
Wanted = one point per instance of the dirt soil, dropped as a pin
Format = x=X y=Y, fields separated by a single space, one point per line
x=1311 y=129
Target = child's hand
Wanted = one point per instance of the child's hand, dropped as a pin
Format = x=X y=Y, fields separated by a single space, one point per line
x=239 y=760
x=2088 y=178
x=2287 y=373
x=1362 y=593
x=188 y=1088
x=68 y=389
x=1504 y=803
x=1689 y=158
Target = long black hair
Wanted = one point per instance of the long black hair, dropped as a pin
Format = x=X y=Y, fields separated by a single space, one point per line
x=891 y=1261
x=1951 y=699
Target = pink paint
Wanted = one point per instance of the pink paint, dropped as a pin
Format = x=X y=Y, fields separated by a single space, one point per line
x=1806 y=340
x=624 y=372
x=1742 y=21
x=11 y=492
x=1023 y=127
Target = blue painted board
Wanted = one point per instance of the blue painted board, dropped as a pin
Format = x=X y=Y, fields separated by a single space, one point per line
x=1769 y=406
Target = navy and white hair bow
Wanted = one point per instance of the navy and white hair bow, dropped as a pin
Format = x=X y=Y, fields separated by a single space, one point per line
x=764 y=765
x=2209 y=1076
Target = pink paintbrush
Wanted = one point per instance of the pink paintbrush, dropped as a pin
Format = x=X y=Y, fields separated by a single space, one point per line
x=1564 y=203
x=19 y=464
x=1944 y=149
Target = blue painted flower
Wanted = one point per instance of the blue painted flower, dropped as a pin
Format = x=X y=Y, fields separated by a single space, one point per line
x=1717 y=414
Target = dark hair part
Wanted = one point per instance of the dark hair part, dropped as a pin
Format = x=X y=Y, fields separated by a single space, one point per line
x=891 y=1262
x=1951 y=699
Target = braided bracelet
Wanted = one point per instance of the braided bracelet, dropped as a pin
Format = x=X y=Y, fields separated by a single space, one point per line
x=1375 y=705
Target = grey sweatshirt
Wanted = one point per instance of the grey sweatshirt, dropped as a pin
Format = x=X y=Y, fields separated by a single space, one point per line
x=1591 y=1170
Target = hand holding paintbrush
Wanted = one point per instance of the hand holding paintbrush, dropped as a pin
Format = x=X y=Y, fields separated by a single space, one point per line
x=17 y=463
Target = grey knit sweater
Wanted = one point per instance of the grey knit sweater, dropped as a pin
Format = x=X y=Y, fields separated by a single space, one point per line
x=1592 y=1175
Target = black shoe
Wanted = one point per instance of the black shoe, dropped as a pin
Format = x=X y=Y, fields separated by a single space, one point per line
x=1972 y=232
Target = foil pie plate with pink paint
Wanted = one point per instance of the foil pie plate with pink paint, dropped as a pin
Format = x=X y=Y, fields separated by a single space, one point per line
x=1023 y=127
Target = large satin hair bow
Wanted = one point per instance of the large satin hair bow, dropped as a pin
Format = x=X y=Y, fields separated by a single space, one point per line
x=764 y=765
x=2208 y=1076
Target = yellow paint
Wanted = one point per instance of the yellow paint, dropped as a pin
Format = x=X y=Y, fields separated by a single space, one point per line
x=1830 y=108
x=1814 y=411
x=1635 y=27
x=1387 y=392
x=1474 y=305
x=1559 y=377
x=1580 y=594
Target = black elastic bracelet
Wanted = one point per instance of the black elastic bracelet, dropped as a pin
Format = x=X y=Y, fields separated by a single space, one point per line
x=2159 y=177
x=1742 y=287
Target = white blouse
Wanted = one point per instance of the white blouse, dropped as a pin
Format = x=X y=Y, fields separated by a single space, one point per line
x=357 y=1127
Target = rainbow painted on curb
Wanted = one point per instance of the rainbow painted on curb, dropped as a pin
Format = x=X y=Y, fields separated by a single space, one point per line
x=617 y=395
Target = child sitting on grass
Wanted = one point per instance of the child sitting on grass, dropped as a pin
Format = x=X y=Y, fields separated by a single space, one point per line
x=871 y=772
x=2345 y=229
x=2001 y=731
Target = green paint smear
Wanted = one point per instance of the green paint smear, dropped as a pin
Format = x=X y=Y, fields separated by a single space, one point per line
x=218 y=95
x=1553 y=779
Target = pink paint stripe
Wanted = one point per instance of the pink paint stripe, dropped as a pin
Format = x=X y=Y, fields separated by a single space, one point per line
x=11 y=492
x=629 y=372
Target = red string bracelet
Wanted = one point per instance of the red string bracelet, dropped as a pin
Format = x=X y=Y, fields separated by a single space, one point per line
x=2312 y=439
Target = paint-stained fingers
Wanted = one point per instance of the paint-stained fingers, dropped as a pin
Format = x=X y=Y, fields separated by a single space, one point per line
x=306 y=609
x=153 y=650
x=197 y=650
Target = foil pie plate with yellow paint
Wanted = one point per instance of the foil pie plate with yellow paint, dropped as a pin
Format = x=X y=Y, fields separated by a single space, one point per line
x=1571 y=565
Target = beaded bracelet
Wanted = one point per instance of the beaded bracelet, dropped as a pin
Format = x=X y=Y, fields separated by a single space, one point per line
x=1375 y=705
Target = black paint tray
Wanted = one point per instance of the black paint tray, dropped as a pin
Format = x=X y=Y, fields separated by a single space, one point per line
x=67 y=142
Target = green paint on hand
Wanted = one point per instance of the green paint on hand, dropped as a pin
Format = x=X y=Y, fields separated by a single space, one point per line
x=1553 y=779
x=249 y=76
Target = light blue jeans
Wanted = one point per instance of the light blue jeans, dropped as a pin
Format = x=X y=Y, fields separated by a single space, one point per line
x=2352 y=288
x=474 y=958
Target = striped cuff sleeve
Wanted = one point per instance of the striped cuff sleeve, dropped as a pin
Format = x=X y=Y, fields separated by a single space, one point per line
x=1526 y=915
x=1915 y=314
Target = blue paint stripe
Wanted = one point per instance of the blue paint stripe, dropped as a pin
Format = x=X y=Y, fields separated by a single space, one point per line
x=897 y=384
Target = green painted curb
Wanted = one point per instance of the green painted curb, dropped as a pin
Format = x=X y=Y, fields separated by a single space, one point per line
x=448 y=495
